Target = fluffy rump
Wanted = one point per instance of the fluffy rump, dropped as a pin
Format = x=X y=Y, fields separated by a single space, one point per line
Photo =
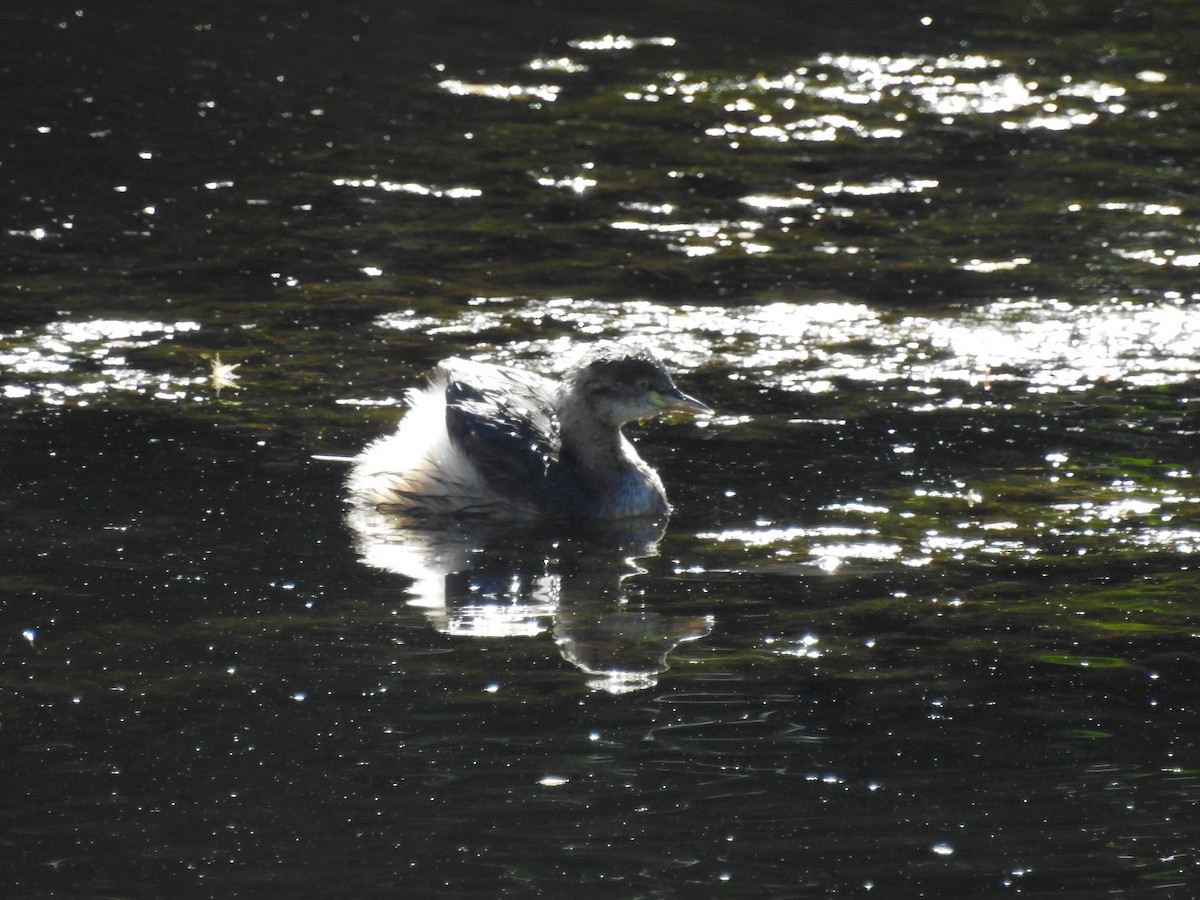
x=419 y=471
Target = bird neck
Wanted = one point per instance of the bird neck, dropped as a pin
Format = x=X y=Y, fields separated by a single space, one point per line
x=598 y=449
x=613 y=477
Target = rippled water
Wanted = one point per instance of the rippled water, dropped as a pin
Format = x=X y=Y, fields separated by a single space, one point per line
x=924 y=619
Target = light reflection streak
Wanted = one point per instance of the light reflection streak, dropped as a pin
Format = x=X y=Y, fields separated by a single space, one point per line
x=59 y=361
x=620 y=42
x=546 y=93
x=562 y=64
x=1146 y=209
x=701 y=238
x=1047 y=345
x=577 y=184
x=886 y=186
x=1000 y=265
x=882 y=95
x=805 y=196
x=1136 y=521
x=1161 y=257
x=882 y=98
x=409 y=187
x=757 y=537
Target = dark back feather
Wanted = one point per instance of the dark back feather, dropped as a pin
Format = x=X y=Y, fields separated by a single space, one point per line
x=507 y=423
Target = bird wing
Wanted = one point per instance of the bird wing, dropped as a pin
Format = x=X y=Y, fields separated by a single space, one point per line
x=506 y=423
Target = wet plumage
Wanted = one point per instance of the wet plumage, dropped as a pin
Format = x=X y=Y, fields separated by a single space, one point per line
x=486 y=441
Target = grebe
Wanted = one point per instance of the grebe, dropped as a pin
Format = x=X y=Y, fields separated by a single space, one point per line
x=481 y=440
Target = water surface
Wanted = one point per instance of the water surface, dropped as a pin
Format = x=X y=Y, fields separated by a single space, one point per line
x=924 y=620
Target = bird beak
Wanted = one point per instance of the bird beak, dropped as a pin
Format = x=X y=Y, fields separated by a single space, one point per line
x=678 y=401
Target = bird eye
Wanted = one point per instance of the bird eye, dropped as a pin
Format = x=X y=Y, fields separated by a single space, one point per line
x=643 y=384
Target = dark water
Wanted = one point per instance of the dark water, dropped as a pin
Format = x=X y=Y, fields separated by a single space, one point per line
x=925 y=620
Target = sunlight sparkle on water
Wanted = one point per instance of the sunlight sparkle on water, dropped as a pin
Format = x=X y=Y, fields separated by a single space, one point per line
x=620 y=42
x=547 y=93
x=874 y=99
x=556 y=64
x=804 y=647
x=701 y=238
x=828 y=556
x=1146 y=209
x=806 y=193
x=886 y=186
x=880 y=96
x=1166 y=257
x=1047 y=344
x=832 y=556
x=576 y=183
x=75 y=361
x=409 y=187
x=774 y=536
x=1000 y=265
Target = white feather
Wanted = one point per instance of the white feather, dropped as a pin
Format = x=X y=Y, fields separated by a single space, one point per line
x=420 y=469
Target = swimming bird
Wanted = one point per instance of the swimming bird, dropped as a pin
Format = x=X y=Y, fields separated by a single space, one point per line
x=486 y=441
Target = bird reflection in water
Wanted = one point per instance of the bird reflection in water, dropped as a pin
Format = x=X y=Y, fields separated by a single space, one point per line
x=487 y=580
x=483 y=448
